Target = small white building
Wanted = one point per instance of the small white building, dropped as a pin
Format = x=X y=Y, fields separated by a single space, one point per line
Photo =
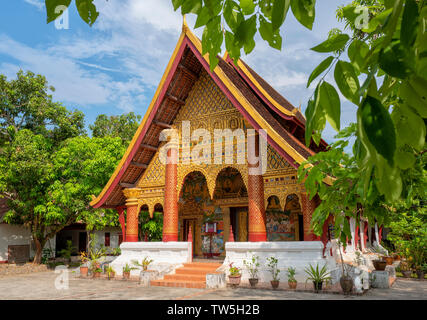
x=17 y=246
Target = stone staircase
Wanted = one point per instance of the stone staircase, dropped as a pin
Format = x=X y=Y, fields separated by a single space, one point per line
x=191 y=275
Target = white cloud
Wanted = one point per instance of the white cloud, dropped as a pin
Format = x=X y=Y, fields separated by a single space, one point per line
x=120 y=60
x=39 y=4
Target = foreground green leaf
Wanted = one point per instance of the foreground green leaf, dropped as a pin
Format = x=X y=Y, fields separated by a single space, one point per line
x=379 y=128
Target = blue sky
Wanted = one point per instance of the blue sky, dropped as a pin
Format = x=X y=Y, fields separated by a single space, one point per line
x=114 y=66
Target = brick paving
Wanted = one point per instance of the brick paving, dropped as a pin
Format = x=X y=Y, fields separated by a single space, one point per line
x=41 y=286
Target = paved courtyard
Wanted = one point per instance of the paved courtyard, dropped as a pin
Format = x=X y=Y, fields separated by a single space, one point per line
x=42 y=286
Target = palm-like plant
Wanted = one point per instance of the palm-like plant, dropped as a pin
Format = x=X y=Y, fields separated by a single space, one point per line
x=317 y=276
x=144 y=264
x=110 y=272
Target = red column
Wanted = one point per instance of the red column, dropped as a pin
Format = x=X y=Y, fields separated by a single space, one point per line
x=356 y=238
x=308 y=207
x=132 y=212
x=257 y=220
x=231 y=236
x=170 y=216
x=120 y=211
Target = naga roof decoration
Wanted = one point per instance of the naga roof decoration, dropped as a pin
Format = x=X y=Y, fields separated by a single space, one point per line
x=256 y=100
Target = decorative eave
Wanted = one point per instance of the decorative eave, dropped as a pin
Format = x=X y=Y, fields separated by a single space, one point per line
x=279 y=104
x=283 y=142
x=261 y=91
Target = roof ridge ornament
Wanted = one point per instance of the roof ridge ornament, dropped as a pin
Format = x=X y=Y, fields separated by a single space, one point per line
x=185 y=27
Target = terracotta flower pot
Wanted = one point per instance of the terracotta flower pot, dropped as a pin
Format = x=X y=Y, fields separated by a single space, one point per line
x=275 y=284
x=84 y=271
x=234 y=280
x=389 y=260
x=292 y=284
x=379 y=265
x=407 y=273
x=253 y=282
x=317 y=286
x=126 y=275
x=111 y=275
x=97 y=274
x=346 y=284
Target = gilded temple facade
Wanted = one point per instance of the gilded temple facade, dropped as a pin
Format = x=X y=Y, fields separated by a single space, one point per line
x=207 y=200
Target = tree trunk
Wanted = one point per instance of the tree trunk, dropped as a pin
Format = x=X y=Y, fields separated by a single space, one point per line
x=39 y=250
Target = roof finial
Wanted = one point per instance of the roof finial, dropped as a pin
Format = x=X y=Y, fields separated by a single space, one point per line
x=184 y=24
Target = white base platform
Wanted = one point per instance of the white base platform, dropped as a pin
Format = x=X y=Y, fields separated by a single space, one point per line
x=296 y=254
x=166 y=256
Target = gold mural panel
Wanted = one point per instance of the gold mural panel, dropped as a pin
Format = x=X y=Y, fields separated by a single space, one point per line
x=207 y=107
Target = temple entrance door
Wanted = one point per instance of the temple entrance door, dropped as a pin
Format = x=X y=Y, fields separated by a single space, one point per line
x=82 y=241
x=186 y=224
x=239 y=223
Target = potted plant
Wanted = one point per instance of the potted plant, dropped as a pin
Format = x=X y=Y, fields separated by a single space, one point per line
x=97 y=272
x=317 y=276
x=346 y=281
x=252 y=267
x=126 y=271
x=292 y=282
x=379 y=265
x=84 y=269
x=420 y=271
x=272 y=264
x=110 y=272
x=404 y=268
x=144 y=264
x=234 y=276
x=93 y=266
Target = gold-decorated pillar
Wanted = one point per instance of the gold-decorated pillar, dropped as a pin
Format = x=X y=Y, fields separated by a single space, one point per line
x=308 y=207
x=257 y=219
x=170 y=218
x=132 y=212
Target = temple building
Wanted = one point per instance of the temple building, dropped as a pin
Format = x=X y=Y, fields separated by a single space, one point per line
x=209 y=202
x=272 y=206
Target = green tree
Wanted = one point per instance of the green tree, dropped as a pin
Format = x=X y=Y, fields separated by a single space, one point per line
x=26 y=178
x=408 y=226
x=51 y=189
x=349 y=197
x=48 y=169
x=123 y=126
x=82 y=166
x=25 y=103
x=150 y=228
